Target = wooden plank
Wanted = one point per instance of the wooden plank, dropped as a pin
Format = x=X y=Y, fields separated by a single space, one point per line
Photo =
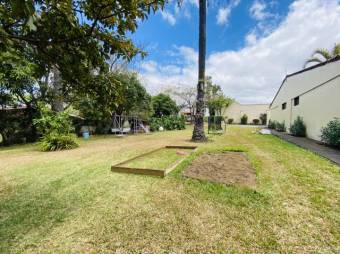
x=140 y=171
x=181 y=147
x=172 y=167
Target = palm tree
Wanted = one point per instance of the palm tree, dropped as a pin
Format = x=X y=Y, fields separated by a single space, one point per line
x=198 y=133
x=325 y=55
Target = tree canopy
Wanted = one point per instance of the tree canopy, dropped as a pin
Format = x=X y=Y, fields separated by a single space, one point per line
x=163 y=105
x=75 y=37
x=216 y=101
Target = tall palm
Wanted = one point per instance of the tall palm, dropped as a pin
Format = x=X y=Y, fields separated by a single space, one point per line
x=198 y=133
x=322 y=55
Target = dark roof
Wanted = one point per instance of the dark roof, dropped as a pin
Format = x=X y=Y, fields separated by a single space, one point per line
x=334 y=59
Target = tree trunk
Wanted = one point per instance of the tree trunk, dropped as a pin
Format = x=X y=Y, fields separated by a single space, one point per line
x=198 y=133
x=57 y=89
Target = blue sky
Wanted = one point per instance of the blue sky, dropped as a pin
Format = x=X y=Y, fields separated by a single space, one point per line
x=245 y=39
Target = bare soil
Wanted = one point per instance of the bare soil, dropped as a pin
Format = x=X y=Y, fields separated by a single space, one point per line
x=231 y=168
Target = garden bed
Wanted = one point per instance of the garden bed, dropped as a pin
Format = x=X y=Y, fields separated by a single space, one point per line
x=157 y=162
x=231 y=168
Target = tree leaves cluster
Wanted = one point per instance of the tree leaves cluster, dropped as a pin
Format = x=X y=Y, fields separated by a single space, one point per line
x=75 y=37
x=216 y=101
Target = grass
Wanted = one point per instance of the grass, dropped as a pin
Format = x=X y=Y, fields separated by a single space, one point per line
x=160 y=159
x=70 y=201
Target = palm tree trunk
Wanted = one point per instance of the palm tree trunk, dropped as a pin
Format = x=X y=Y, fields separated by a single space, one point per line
x=57 y=102
x=198 y=133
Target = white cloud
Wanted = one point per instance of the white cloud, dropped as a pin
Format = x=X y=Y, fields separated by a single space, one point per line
x=223 y=15
x=258 y=10
x=168 y=17
x=251 y=38
x=254 y=73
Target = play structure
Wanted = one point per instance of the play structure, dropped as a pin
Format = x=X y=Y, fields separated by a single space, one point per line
x=124 y=124
x=216 y=124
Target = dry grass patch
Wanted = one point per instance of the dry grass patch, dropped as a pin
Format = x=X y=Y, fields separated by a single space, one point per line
x=231 y=168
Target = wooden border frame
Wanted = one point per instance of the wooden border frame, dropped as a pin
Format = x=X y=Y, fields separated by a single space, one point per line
x=119 y=168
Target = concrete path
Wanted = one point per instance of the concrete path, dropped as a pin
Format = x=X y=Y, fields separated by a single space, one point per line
x=311 y=145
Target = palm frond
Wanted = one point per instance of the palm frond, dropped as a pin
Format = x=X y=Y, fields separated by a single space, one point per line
x=312 y=60
x=336 y=50
x=323 y=52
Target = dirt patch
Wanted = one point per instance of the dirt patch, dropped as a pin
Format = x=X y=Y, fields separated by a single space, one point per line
x=232 y=168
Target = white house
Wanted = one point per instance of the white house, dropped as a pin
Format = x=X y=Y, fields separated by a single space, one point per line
x=313 y=94
x=253 y=111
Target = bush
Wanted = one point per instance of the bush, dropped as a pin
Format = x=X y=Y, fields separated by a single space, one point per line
x=56 y=131
x=54 y=142
x=215 y=122
x=263 y=118
x=280 y=126
x=230 y=120
x=298 y=128
x=272 y=124
x=167 y=122
x=256 y=121
x=331 y=133
x=244 y=119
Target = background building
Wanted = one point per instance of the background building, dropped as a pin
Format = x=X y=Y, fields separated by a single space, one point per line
x=253 y=111
x=313 y=94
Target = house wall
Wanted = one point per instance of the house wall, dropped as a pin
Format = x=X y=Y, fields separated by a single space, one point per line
x=319 y=98
x=253 y=111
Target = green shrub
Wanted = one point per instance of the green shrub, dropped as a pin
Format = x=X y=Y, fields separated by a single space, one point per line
x=230 y=120
x=54 y=142
x=244 y=119
x=215 y=122
x=56 y=130
x=298 y=128
x=331 y=133
x=256 y=121
x=167 y=122
x=280 y=126
x=263 y=118
x=272 y=124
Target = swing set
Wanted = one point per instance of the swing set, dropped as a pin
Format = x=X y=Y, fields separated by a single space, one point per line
x=126 y=124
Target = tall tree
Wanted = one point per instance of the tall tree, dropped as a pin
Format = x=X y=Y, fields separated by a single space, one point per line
x=74 y=37
x=198 y=132
x=322 y=55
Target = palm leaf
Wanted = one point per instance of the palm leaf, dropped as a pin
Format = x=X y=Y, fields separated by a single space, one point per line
x=324 y=53
x=312 y=60
x=336 y=50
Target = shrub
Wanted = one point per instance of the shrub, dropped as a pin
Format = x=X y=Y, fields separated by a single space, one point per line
x=272 y=124
x=215 y=122
x=263 y=118
x=56 y=131
x=54 y=142
x=331 y=133
x=244 y=119
x=167 y=122
x=298 y=128
x=280 y=126
x=256 y=121
x=230 y=120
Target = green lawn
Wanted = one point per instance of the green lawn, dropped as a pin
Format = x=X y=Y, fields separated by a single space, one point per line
x=70 y=201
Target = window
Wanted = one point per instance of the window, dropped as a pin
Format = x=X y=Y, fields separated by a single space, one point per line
x=296 y=101
x=284 y=105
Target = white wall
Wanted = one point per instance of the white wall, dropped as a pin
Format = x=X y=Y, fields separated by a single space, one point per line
x=319 y=103
x=253 y=111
